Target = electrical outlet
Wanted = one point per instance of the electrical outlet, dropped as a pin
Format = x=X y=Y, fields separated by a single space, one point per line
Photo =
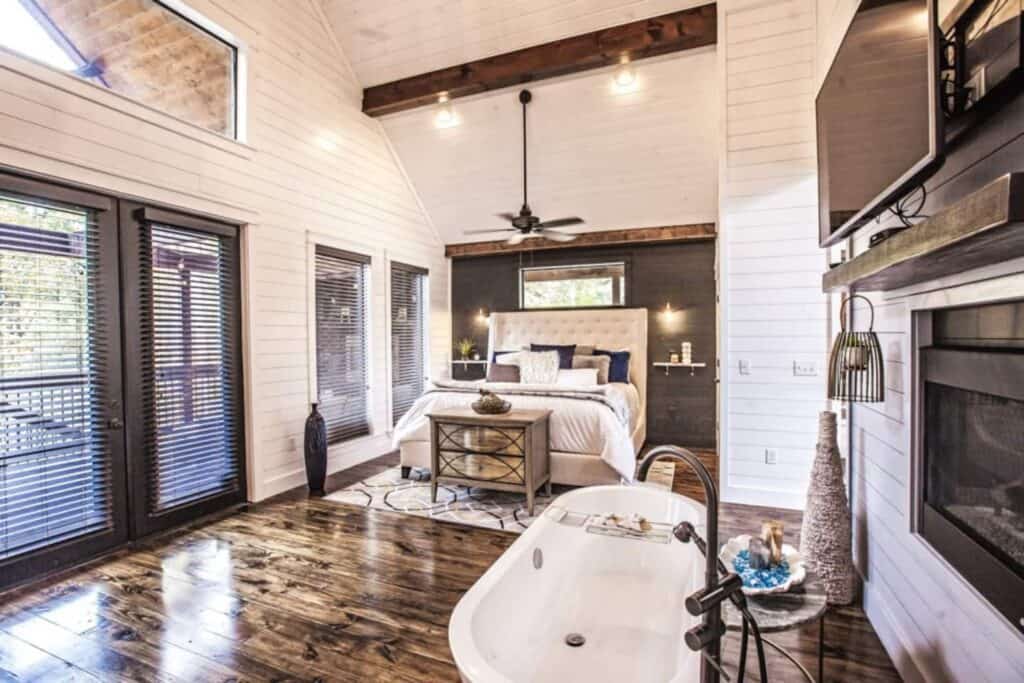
x=771 y=456
x=804 y=369
x=744 y=367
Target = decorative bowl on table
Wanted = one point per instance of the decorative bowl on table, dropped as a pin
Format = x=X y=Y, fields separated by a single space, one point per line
x=787 y=574
x=490 y=403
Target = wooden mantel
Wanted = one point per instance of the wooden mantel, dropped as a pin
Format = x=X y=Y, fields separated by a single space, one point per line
x=682 y=30
x=604 y=238
x=985 y=227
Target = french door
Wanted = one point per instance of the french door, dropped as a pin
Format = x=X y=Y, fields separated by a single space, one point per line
x=120 y=373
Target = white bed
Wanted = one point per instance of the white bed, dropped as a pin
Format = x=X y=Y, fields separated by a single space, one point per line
x=591 y=443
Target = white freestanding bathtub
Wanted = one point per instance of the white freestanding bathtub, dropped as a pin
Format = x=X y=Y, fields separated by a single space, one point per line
x=624 y=596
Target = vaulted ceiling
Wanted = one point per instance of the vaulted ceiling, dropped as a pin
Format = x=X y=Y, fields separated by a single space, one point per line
x=641 y=158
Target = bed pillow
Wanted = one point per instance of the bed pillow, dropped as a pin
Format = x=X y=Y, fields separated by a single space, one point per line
x=565 y=353
x=584 y=350
x=577 y=377
x=503 y=373
x=507 y=358
x=538 y=367
x=497 y=354
x=600 y=363
x=618 y=371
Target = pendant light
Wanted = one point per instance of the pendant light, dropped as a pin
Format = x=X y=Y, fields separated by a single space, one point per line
x=856 y=371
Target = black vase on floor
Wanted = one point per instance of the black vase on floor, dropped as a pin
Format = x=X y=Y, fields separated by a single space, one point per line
x=316 y=452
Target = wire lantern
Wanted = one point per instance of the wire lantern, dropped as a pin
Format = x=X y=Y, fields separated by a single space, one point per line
x=856 y=371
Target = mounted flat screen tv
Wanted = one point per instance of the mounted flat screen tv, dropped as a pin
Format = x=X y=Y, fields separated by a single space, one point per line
x=878 y=114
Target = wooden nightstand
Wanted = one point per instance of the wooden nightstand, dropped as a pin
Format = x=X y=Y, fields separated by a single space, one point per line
x=503 y=452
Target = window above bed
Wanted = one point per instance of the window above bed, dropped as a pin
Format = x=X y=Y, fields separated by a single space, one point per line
x=590 y=285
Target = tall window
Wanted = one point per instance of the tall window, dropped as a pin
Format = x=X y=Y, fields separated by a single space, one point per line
x=577 y=286
x=408 y=336
x=55 y=463
x=141 y=49
x=341 y=342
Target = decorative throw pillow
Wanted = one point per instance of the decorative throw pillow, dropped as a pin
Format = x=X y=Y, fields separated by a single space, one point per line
x=565 y=353
x=507 y=358
x=618 y=371
x=503 y=373
x=600 y=363
x=584 y=350
x=577 y=377
x=539 y=367
x=496 y=354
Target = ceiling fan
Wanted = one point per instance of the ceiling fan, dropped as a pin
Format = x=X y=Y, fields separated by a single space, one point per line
x=525 y=224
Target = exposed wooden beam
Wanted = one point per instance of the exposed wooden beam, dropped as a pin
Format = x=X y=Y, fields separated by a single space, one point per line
x=682 y=30
x=604 y=238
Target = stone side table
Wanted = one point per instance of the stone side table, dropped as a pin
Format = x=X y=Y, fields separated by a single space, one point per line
x=777 y=612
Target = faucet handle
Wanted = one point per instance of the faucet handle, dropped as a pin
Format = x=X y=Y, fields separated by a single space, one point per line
x=709 y=598
x=702 y=635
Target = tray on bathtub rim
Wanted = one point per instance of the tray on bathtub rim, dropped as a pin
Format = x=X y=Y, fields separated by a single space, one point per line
x=658 y=533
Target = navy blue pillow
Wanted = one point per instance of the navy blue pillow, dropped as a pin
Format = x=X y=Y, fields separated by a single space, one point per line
x=495 y=354
x=618 y=370
x=565 y=353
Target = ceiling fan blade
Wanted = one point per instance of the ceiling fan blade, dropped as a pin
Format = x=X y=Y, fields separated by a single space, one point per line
x=480 y=232
x=507 y=216
x=517 y=239
x=559 y=222
x=557 y=236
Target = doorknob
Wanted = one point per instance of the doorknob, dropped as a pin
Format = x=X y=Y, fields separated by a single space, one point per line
x=115 y=423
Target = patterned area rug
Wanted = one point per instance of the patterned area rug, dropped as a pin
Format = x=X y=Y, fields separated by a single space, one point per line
x=459 y=504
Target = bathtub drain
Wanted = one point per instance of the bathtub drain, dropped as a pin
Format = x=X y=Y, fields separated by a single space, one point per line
x=575 y=639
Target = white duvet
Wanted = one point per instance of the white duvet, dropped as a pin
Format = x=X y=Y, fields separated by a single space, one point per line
x=577 y=425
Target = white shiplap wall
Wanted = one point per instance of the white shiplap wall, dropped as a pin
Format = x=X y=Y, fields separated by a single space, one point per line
x=391 y=39
x=313 y=164
x=643 y=158
x=773 y=313
x=934 y=626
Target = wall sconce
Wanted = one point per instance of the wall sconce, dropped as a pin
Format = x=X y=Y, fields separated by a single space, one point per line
x=483 y=319
x=446 y=116
x=856 y=370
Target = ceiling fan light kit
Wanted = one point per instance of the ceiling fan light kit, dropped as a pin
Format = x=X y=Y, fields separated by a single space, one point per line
x=525 y=224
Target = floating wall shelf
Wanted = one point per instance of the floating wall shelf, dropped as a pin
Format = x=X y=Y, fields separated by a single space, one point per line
x=692 y=366
x=983 y=228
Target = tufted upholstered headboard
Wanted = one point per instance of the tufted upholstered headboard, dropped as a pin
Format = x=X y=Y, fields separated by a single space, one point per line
x=607 y=328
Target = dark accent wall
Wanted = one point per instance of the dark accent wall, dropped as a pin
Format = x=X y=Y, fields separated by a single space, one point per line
x=680 y=408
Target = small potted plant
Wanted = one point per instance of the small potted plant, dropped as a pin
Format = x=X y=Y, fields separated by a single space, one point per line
x=464 y=347
x=855 y=355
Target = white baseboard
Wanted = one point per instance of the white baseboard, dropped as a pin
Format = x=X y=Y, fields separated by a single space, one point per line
x=339 y=457
x=742 y=495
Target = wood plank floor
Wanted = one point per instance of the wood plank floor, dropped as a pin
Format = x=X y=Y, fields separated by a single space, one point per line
x=302 y=589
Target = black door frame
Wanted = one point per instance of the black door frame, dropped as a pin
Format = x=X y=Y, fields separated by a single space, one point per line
x=133 y=220
x=119 y=221
x=33 y=564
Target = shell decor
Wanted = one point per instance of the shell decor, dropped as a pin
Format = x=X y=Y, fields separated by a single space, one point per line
x=778 y=579
x=490 y=403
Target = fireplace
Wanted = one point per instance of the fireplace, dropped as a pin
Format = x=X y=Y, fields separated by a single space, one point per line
x=971 y=479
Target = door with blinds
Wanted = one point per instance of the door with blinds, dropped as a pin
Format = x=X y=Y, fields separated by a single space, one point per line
x=62 y=457
x=408 y=337
x=183 y=351
x=342 y=379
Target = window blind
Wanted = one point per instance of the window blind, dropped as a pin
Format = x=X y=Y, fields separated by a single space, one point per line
x=341 y=342
x=408 y=343
x=191 y=423
x=55 y=458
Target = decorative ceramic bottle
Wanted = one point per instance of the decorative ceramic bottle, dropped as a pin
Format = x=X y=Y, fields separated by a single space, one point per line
x=316 y=452
x=826 y=535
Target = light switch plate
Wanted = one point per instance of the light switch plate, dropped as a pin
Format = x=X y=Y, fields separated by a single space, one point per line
x=771 y=456
x=805 y=369
x=744 y=367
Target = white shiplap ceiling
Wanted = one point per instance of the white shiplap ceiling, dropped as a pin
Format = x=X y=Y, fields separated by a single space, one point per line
x=641 y=159
x=390 y=39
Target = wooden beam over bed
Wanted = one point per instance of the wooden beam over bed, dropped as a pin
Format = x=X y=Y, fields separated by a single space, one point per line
x=603 y=238
x=682 y=30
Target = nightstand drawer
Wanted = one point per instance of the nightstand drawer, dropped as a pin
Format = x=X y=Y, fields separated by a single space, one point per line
x=482 y=467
